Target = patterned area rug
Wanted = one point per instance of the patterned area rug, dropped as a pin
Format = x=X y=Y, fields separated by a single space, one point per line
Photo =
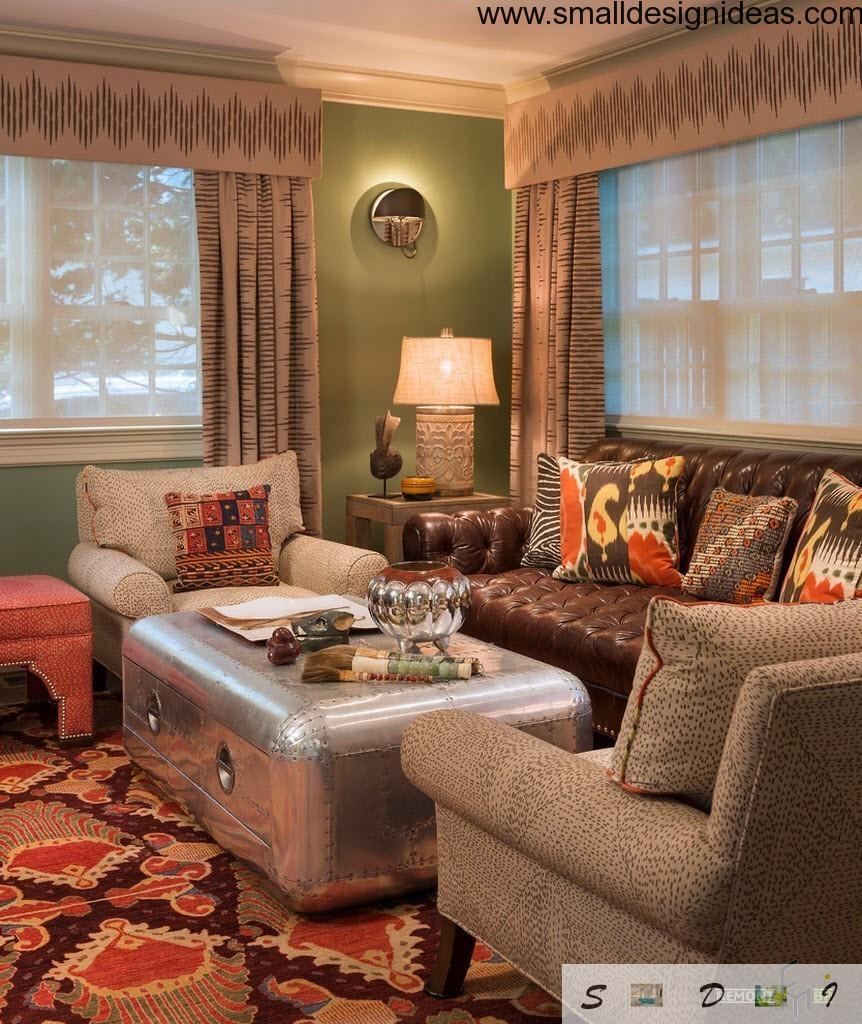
x=116 y=908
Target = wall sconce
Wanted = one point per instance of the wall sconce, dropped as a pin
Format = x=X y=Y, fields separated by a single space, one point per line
x=397 y=216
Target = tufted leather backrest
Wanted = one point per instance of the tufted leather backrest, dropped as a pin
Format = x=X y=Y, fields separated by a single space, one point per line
x=743 y=471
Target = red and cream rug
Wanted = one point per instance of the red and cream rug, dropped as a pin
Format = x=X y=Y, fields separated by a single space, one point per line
x=116 y=908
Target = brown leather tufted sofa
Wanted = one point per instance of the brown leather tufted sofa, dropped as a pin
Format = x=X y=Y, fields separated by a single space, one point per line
x=596 y=630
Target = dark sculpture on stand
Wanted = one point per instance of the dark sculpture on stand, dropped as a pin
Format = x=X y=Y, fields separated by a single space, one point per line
x=385 y=461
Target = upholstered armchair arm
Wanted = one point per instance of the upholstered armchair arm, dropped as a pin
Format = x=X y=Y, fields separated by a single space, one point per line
x=118 y=582
x=327 y=567
x=474 y=542
x=562 y=812
x=788 y=809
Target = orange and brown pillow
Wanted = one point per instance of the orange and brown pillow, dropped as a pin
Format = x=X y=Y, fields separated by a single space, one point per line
x=222 y=539
x=618 y=521
x=740 y=548
x=827 y=563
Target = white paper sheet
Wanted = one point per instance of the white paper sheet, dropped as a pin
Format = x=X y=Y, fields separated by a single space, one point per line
x=284 y=607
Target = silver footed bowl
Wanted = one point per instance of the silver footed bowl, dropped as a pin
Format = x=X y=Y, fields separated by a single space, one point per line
x=419 y=602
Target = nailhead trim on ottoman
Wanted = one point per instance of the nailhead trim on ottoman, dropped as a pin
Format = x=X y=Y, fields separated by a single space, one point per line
x=46 y=627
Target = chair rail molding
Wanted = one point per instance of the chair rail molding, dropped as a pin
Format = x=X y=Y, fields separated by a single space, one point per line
x=44 y=446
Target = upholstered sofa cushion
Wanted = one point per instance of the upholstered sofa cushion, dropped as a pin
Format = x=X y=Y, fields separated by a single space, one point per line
x=694 y=662
x=592 y=629
x=125 y=509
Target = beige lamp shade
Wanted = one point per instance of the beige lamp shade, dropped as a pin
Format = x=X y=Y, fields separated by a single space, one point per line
x=446 y=371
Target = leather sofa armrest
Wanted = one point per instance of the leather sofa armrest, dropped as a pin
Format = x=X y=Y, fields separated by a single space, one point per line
x=327 y=567
x=561 y=811
x=118 y=581
x=474 y=542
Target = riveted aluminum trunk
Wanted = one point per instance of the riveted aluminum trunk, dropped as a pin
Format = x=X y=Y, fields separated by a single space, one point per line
x=305 y=781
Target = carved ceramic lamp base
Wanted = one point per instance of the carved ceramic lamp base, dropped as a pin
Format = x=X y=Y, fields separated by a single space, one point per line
x=444 y=447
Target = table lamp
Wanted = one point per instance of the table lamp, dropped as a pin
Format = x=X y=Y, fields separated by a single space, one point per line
x=445 y=378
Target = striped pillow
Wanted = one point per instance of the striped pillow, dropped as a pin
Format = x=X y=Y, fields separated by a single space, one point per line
x=543 y=544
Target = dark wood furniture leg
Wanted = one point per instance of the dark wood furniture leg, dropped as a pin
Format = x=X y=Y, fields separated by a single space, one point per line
x=100 y=677
x=453 y=961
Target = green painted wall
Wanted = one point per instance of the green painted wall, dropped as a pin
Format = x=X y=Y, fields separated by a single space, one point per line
x=38 y=524
x=369 y=297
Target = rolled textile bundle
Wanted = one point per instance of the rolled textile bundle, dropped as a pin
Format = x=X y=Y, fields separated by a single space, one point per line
x=361 y=664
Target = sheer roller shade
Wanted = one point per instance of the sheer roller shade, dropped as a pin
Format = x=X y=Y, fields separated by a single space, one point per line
x=733 y=288
x=99 y=303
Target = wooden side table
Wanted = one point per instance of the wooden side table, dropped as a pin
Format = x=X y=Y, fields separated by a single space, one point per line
x=363 y=510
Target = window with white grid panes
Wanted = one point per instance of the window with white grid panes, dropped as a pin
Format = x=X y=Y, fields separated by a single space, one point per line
x=99 y=311
x=733 y=287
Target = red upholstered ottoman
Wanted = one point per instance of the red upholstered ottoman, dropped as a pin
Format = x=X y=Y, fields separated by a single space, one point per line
x=45 y=626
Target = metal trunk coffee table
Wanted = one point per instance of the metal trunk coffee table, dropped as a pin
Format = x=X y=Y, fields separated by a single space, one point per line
x=304 y=781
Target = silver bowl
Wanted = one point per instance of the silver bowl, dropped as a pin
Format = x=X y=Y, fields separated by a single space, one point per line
x=419 y=602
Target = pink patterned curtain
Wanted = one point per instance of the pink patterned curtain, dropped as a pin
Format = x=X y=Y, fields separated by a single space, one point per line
x=558 y=378
x=261 y=392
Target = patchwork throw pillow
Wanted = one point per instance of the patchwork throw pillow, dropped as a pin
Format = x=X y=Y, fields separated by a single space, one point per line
x=827 y=563
x=694 y=661
x=543 y=544
x=222 y=539
x=739 y=549
x=618 y=521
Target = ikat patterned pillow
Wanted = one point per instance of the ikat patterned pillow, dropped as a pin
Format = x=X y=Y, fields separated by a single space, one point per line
x=618 y=521
x=739 y=549
x=827 y=563
x=222 y=539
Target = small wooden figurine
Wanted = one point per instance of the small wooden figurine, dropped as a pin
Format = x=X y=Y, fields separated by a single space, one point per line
x=386 y=462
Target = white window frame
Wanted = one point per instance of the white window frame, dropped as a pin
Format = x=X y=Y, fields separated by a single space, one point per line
x=697 y=323
x=39 y=441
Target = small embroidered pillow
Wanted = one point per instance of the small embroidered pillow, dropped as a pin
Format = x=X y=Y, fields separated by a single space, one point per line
x=739 y=549
x=222 y=539
x=618 y=521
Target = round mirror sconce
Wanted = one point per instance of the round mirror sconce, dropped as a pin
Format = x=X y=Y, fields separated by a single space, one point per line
x=397 y=216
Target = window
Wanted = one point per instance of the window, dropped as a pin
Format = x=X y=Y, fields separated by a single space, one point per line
x=98 y=295
x=733 y=287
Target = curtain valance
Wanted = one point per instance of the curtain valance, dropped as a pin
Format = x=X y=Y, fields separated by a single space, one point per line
x=90 y=112
x=758 y=80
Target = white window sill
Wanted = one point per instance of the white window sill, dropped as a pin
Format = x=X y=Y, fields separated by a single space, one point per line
x=736 y=436
x=25 y=446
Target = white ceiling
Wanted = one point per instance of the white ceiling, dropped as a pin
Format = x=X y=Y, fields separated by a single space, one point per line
x=437 y=38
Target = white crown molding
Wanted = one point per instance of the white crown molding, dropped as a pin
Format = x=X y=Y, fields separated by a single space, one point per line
x=563 y=74
x=65 y=445
x=118 y=51
x=647 y=42
x=395 y=89
x=337 y=84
